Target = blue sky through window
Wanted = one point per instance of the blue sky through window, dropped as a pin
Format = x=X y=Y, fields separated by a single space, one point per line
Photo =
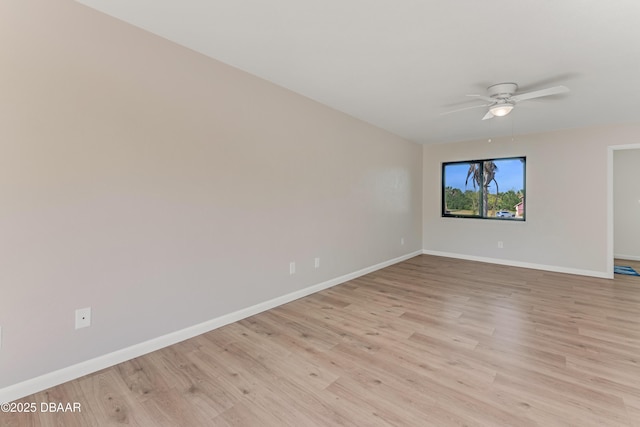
x=510 y=176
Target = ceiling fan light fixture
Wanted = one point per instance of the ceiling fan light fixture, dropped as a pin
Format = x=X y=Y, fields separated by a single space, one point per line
x=502 y=109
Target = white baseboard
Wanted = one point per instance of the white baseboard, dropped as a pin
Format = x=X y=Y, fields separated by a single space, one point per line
x=554 y=268
x=52 y=379
x=627 y=257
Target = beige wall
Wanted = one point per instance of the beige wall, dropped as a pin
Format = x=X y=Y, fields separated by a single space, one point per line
x=164 y=189
x=565 y=169
x=626 y=206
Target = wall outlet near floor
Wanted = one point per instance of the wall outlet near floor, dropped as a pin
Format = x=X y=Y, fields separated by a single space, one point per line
x=500 y=244
x=292 y=267
x=316 y=263
x=83 y=317
x=402 y=241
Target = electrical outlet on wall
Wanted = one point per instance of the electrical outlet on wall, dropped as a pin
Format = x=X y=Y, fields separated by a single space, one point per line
x=83 y=317
x=292 y=267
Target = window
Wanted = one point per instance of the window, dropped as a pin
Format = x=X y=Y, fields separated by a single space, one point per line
x=489 y=188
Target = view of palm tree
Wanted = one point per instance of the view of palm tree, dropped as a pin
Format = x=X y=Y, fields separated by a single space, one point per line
x=473 y=188
x=482 y=179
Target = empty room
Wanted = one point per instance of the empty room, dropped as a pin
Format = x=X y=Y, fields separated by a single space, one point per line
x=359 y=213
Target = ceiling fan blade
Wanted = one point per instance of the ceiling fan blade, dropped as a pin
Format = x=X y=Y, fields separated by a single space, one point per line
x=488 y=116
x=540 y=93
x=483 y=97
x=463 y=109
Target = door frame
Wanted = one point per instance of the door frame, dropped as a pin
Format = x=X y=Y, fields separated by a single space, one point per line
x=610 y=150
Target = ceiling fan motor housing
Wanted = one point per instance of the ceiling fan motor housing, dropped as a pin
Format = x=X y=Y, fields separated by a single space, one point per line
x=502 y=90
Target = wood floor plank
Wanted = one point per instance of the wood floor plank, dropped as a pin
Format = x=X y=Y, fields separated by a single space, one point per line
x=431 y=341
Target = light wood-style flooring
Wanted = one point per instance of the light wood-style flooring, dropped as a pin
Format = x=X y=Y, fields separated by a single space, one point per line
x=428 y=342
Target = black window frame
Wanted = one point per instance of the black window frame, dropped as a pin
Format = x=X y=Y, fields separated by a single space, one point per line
x=481 y=162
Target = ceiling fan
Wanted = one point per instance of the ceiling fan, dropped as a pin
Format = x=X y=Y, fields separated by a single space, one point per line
x=502 y=98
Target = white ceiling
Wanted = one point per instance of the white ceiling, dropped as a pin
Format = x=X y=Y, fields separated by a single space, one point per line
x=400 y=64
